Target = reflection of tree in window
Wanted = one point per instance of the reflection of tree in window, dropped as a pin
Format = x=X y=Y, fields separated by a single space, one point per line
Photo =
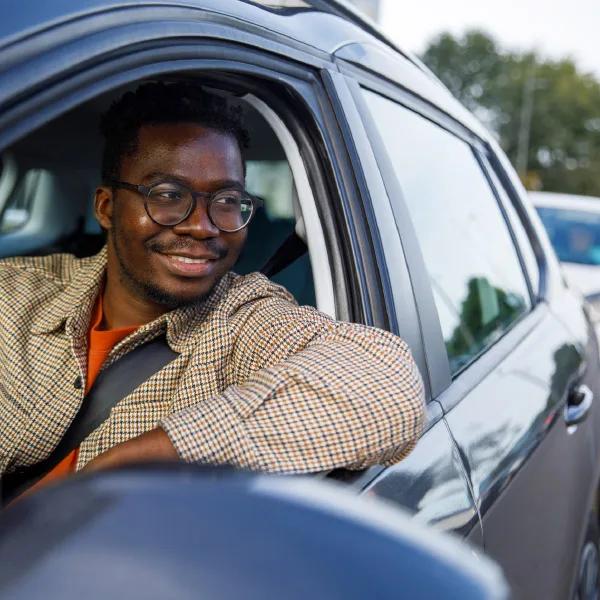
x=485 y=313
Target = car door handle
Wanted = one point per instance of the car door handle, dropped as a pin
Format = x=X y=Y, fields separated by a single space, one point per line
x=578 y=404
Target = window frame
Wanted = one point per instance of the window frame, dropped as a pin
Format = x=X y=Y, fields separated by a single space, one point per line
x=497 y=166
x=487 y=171
x=321 y=270
x=445 y=387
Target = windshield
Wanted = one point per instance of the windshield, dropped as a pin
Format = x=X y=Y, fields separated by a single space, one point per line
x=574 y=234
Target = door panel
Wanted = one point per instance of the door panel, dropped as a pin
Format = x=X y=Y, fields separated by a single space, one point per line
x=532 y=476
x=431 y=482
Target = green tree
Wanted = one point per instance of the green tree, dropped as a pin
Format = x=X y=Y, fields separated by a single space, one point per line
x=545 y=113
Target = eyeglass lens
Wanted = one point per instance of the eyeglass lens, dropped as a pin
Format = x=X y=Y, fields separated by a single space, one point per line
x=169 y=204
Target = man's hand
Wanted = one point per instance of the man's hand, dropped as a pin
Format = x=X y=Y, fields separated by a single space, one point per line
x=152 y=446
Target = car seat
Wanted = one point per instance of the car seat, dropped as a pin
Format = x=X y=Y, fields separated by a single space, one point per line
x=48 y=211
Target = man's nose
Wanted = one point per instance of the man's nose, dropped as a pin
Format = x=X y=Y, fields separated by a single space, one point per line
x=198 y=223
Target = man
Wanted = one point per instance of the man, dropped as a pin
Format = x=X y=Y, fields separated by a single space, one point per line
x=258 y=382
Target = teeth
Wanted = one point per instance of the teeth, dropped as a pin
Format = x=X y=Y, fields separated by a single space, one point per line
x=193 y=261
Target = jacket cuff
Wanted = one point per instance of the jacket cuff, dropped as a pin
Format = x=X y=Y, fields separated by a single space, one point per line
x=211 y=432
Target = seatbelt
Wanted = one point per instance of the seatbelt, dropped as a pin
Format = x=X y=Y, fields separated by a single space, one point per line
x=111 y=385
x=292 y=248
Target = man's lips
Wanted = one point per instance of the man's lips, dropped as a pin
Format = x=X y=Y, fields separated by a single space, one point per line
x=187 y=263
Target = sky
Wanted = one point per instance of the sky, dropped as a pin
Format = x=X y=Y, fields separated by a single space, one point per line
x=554 y=28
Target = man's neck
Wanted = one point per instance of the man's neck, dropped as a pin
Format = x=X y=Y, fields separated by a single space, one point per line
x=122 y=308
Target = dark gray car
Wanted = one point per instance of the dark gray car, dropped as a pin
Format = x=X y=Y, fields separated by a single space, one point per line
x=412 y=219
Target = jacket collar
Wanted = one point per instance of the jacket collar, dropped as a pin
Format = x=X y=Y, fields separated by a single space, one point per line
x=75 y=302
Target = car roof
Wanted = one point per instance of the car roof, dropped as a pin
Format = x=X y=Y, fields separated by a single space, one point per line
x=292 y=18
x=565 y=201
x=325 y=30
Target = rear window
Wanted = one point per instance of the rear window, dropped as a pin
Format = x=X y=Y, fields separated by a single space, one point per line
x=477 y=281
x=574 y=234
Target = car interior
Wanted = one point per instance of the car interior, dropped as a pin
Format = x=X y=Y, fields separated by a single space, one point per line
x=48 y=178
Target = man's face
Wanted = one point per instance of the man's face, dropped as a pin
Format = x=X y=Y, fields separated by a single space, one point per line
x=180 y=264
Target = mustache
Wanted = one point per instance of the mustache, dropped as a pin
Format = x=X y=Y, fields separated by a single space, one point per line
x=211 y=245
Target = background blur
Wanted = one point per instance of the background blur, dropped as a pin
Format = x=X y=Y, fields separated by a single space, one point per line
x=530 y=70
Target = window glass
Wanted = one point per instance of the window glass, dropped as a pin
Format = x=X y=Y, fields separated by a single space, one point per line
x=478 y=284
x=575 y=234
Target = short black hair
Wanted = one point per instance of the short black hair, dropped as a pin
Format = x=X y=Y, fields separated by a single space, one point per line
x=156 y=103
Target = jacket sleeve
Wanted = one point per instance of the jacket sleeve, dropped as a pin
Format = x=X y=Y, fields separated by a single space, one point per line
x=307 y=394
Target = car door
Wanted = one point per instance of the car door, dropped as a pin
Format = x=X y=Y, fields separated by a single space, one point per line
x=514 y=342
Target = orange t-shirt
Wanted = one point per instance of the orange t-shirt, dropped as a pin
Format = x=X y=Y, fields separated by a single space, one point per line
x=100 y=343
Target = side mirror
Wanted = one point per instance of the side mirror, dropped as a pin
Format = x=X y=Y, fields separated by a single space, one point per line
x=186 y=532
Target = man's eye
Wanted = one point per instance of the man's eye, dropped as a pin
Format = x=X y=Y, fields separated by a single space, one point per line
x=227 y=200
x=167 y=194
x=171 y=195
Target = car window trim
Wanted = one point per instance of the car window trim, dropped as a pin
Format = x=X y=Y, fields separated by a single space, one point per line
x=485 y=166
x=412 y=101
x=514 y=197
x=370 y=267
x=315 y=239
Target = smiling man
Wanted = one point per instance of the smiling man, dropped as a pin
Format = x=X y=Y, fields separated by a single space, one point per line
x=258 y=382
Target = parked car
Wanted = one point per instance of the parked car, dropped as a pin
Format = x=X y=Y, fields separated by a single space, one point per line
x=413 y=220
x=573 y=225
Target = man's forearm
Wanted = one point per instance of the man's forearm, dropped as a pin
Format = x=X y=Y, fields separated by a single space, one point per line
x=351 y=398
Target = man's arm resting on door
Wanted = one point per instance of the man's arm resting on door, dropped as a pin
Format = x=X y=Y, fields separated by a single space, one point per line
x=316 y=395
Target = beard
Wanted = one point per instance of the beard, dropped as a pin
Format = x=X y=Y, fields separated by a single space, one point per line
x=145 y=287
x=149 y=291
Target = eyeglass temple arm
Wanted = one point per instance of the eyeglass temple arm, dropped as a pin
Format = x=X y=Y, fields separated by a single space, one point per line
x=142 y=189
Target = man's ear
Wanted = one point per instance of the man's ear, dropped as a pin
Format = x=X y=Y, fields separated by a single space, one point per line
x=103 y=207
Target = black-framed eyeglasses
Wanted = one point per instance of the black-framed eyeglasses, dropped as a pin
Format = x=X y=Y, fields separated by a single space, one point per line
x=169 y=203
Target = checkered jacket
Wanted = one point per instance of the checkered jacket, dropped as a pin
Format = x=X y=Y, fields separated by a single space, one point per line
x=259 y=382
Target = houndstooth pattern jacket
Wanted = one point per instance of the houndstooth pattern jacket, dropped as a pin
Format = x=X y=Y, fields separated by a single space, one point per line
x=259 y=382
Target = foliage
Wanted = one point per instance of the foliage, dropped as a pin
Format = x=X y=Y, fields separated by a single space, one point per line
x=484 y=314
x=545 y=113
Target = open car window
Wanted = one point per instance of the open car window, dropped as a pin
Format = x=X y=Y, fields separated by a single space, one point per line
x=49 y=206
